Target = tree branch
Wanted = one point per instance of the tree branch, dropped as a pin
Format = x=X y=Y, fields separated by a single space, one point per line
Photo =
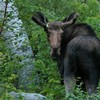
x=5 y=15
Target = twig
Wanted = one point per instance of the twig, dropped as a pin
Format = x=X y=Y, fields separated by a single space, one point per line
x=5 y=14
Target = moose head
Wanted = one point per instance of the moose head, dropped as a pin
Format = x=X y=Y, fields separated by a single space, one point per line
x=54 y=30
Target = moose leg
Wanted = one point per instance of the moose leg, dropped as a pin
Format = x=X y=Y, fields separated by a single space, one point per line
x=91 y=88
x=69 y=74
x=69 y=82
x=91 y=84
x=91 y=75
x=60 y=65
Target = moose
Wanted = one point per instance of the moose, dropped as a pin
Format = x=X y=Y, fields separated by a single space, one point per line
x=76 y=49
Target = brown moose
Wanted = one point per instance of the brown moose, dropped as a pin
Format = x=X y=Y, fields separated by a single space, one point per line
x=76 y=49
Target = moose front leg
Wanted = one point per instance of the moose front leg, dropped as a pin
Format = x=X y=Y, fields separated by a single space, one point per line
x=60 y=64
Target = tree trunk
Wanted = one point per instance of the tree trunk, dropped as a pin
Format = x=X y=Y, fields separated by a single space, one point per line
x=17 y=42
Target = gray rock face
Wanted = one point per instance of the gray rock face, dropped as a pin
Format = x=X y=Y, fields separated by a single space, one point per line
x=27 y=96
x=18 y=43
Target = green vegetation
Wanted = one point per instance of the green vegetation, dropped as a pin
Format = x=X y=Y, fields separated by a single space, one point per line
x=48 y=76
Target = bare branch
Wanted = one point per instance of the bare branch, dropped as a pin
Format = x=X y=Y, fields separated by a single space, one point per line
x=5 y=15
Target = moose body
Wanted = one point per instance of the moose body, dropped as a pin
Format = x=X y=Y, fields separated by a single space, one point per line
x=75 y=48
x=82 y=59
x=71 y=32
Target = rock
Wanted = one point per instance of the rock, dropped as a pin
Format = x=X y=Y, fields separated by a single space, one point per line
x=27 y=96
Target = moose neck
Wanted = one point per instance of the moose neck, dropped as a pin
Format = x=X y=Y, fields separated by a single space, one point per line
x=68 y=36
x=73 y=31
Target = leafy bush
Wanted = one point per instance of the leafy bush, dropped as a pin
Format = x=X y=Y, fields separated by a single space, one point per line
x=8 y=70
x=48 y=75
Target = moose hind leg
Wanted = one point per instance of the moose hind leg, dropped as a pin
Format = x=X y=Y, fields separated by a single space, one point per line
x=69 y=74
x=69 y=82
x=91 y=84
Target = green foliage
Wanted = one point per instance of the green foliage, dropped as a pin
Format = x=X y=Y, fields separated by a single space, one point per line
x=95 y=22
x=8 y=70
x=48 y=78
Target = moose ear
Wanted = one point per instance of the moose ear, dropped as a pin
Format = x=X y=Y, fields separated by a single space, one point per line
x=73 y=16
x=70 y=20
x=40 y=19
